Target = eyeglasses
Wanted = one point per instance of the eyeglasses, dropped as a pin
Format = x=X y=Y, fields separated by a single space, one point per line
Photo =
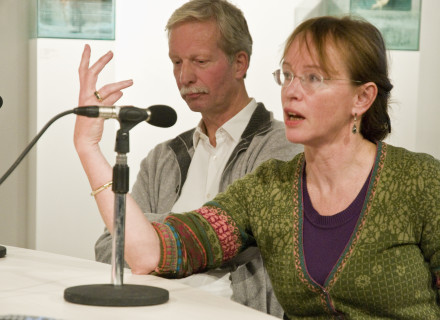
x=309 y=81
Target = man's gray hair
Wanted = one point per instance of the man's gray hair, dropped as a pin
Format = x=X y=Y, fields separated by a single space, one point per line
x=235 y=36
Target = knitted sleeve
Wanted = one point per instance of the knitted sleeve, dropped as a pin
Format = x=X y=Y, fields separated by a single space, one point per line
x=196 y=241
x=429 y=182
x=206 y=238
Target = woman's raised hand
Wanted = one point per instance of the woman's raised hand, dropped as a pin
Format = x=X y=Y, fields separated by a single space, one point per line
x=88 y=131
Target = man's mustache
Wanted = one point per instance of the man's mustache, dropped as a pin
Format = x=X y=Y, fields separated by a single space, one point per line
x=192 y=90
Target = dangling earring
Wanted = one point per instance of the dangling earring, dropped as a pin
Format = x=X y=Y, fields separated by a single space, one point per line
x=354 y=129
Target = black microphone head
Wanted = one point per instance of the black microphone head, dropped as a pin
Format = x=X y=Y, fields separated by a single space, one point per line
x=1 y=101
x=162 y=116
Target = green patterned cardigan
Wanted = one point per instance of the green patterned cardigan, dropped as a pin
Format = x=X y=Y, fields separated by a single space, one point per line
x=390 y=268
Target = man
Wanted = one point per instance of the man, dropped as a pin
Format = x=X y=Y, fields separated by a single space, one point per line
x=210 y=47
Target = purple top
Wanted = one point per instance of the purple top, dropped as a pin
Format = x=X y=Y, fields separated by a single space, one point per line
x=325 y=237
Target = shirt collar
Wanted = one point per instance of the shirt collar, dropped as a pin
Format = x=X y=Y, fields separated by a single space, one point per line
x=234 y=127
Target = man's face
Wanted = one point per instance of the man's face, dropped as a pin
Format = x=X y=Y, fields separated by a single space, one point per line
x=203 y=74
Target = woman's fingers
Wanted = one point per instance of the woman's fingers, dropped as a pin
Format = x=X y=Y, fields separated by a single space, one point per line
x=112 y=92
x=97 y=67
x=85 y=60
x=88 y=77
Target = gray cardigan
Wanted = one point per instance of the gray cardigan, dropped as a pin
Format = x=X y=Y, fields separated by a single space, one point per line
x=163 y=173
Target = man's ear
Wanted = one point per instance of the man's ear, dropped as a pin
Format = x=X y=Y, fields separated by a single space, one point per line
x=241 y=63
x=364 y=98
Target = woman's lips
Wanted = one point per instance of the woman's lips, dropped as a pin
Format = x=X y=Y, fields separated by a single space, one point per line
x=294 y=117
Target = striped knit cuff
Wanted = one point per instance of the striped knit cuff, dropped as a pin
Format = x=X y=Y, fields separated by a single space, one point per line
x=168 y=263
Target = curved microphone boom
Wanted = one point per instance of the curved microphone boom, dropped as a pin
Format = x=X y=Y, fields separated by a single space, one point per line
x=157 y=115
x=32 y=143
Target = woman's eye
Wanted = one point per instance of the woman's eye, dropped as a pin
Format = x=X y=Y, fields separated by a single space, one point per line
x=313 y=77
x=287 y=76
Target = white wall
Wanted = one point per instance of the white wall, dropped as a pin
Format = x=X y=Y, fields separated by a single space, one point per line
x=13 y=120
x=62 y=216
x=428 y=82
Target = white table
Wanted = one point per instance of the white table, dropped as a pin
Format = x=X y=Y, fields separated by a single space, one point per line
x=33 y=282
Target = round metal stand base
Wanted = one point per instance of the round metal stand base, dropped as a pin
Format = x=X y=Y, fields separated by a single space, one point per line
x=2 y=251
x=126 y=295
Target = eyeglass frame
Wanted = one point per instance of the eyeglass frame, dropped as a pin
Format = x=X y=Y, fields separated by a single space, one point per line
x=277 y=73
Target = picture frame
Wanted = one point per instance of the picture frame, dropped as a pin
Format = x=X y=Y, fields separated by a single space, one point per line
x=75 y=19
x=397 y=20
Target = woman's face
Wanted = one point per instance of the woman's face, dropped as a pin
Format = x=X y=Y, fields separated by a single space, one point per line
x=321 y=116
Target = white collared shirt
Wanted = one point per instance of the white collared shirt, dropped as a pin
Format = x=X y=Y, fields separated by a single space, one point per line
x=207 y=165
x=202 y=184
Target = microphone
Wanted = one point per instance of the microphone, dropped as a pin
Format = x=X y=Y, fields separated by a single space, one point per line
x=157 y=115
x=1 y=101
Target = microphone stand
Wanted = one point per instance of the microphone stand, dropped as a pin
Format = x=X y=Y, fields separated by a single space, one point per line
x=2 y=249
x=117 y=294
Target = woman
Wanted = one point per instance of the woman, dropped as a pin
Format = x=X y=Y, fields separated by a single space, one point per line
x=358 y=235
x=349 y=229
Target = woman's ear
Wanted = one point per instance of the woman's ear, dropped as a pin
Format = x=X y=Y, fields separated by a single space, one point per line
x=364 y=98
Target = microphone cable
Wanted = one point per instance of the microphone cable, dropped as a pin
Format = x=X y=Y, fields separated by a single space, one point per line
x=32 y=143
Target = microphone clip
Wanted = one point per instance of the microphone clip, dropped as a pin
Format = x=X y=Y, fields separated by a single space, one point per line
x=127 y=120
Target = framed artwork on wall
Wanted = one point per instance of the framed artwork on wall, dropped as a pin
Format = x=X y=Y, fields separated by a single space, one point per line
x=74 y=19
x=397 y=20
